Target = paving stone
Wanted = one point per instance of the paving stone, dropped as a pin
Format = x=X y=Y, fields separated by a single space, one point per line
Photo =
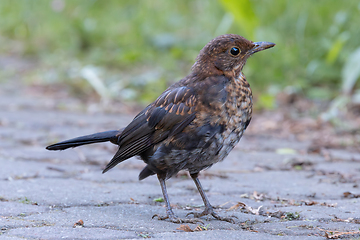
x=44 y=193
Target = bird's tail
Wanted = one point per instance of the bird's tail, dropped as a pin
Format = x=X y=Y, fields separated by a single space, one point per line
x=111 y=136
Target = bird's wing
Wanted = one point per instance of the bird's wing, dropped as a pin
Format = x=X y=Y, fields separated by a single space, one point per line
x=167 y=116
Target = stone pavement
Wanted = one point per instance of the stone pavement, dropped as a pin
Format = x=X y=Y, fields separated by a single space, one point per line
x=273 y=187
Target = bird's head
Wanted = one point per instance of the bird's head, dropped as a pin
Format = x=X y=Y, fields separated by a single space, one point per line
x=227 y=54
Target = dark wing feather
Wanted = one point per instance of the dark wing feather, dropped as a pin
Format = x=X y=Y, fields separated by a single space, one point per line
x=168 y=115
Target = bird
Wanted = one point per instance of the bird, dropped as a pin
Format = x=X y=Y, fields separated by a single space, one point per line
x=192 y=125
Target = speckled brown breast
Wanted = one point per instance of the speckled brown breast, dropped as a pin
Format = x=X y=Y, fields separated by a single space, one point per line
x=237 y=111
x=222 y=117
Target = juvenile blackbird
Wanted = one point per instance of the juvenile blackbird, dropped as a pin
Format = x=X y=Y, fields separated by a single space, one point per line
x=195 y=123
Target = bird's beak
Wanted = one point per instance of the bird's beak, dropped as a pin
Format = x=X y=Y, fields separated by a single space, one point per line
x=259 y=46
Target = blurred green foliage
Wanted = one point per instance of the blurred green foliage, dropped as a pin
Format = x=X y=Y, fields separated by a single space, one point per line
x=133 y=49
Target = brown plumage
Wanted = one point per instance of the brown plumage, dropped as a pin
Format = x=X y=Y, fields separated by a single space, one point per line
x=195 y=123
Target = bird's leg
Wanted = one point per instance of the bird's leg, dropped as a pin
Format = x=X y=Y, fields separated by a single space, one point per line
x=169 y=213
x=209 y=210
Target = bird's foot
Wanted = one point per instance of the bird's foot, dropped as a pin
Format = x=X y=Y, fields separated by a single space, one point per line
x=174 y=219
x=210 y=211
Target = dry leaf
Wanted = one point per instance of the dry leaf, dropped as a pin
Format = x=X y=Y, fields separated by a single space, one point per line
x=185 y=228
x=224 y=204
x=199 y=228
x=254 y=211
x=329 y=234
x=248 y=208
x=79 y=223
x=350 y=195
x=258 y=196
x=236 y=206
x=310 y=203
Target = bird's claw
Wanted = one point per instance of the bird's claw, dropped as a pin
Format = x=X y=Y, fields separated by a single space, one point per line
x=175 y=219
x=159 y=217
x=195 y=214
x=212 y=213
x=226 y=219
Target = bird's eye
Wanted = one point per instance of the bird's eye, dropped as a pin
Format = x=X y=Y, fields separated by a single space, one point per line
x=234 y=51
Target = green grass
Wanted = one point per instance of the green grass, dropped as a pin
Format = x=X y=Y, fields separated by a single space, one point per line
x=137 y=48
